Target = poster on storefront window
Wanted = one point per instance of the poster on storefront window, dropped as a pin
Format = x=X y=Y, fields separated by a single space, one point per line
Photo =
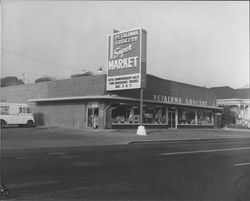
x=126 y=68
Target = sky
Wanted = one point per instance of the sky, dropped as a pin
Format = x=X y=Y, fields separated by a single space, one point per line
x=203 y=43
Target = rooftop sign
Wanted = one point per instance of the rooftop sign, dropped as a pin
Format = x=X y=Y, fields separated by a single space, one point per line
x=126 y=60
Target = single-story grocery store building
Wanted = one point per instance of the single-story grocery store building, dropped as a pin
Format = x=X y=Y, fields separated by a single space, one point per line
x=83 y=102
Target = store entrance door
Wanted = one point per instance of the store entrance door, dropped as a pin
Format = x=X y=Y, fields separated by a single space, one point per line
x=171 y=119
x=93 y=117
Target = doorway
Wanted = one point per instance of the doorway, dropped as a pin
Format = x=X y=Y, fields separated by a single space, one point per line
x=171 y=119
x=92 y=116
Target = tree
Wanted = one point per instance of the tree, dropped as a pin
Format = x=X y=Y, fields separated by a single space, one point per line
x=44 y=79
x=228 y=116
x=84 y=73
x=10 y=81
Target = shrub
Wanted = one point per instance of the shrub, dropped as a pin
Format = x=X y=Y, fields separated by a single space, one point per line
x=228 y=117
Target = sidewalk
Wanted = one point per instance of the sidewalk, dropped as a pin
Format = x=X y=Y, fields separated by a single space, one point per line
x=42 y=137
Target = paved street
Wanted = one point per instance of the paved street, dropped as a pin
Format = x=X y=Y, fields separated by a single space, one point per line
x=49 y=137
x=215 y=169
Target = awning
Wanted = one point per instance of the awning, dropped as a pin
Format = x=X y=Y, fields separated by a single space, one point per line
x=115 y=97
x=82 y=98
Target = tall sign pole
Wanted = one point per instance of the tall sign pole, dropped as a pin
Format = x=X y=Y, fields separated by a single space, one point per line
x=141 y=107
x=126 y=69
x=143 y=54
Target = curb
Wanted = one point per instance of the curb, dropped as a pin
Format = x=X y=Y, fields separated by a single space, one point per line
x=178 y=140
x=236 y=129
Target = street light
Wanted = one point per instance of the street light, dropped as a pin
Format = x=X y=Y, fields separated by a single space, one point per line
x=100 y=70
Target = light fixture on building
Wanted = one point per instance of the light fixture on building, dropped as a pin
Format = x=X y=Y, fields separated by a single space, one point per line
x=100 y=70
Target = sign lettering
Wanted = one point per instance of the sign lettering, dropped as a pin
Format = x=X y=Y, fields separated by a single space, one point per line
x=173 y=99
x=126 y=53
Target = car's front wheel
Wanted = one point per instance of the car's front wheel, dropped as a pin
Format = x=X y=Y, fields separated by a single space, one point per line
x=30 y=123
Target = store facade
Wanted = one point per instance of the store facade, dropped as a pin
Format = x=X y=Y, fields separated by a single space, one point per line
x=161 y=116
x=84 y=103
x=167 y=104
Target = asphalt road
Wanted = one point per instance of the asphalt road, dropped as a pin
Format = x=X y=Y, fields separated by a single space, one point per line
x=181 y=170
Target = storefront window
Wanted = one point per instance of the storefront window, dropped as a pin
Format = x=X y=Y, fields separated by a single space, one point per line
x=133 y=115
x=130 y=114
x=154 y=115
x=204 y=117
x=119 y=114
x=186 y=116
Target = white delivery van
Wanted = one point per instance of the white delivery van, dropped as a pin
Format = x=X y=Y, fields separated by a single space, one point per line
x=16 y=113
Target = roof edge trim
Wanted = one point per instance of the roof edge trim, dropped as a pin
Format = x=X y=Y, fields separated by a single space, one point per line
x=116 y=98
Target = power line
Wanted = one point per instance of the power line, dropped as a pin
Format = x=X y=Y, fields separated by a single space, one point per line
x=24 y=56
x=21 y=55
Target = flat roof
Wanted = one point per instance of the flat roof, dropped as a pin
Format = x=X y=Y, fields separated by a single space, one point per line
x=114 y=97
x=233 y=101
x=8 y=103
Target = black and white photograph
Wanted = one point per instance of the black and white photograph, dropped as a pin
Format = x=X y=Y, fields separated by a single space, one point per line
x=124 y=101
